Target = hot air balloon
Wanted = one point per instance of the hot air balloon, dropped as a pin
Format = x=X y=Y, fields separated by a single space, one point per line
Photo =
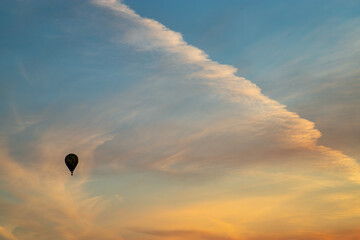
x=71 y=161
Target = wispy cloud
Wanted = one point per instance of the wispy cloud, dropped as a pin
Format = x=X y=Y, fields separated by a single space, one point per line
x=187 y=116
x=317 y=75
x=6 y=235
x=183 y=234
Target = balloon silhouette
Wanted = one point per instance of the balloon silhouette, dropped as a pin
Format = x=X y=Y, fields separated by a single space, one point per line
x=71 y=161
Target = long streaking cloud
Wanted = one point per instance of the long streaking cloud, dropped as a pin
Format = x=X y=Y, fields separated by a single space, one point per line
x=194 y=113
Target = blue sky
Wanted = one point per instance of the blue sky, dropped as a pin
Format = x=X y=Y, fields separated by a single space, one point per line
x=191 y=119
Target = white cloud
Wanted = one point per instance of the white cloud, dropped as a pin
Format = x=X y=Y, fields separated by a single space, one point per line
x=221 y=119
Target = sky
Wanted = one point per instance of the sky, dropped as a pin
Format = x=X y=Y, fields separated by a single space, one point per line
x=206 y=119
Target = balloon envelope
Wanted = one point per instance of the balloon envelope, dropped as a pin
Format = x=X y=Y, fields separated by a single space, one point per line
x=71 y=161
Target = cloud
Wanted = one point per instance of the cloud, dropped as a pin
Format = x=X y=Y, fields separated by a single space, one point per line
x=43 y=204
x=196 y=114
x=6 y=235
x=193 y=234
x=344 y=234
x=183 y=234
x=317 y=76
x=118 y=197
